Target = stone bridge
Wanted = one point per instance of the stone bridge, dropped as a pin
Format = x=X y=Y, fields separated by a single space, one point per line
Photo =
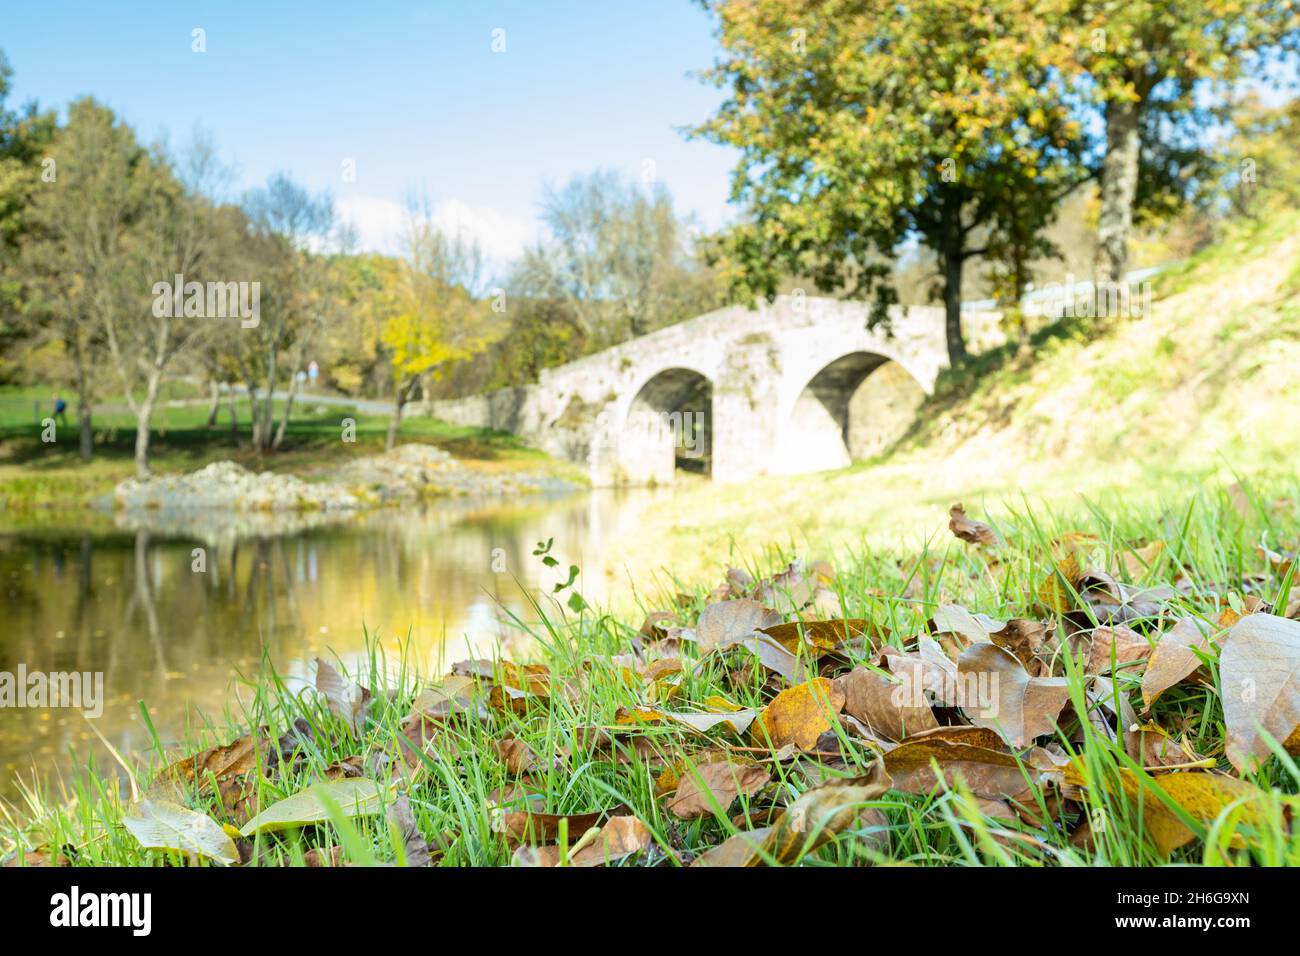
x=797 y=385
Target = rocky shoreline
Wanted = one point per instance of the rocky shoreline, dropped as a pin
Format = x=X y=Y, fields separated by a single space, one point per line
x=407 y=474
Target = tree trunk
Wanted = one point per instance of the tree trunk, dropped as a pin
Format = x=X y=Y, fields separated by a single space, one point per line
x=215 y=404
x=234 y=415
x=395 y=420
x=254 y=415
x=1119 y=178
x=288 y=408
x=143 y=418
x=86 y=438
x=953 y=261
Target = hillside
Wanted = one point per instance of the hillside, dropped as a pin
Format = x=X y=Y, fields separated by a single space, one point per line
x=1203 y=390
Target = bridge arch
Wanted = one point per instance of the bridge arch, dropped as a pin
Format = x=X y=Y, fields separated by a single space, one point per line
x=666 y=426
x=852 y=407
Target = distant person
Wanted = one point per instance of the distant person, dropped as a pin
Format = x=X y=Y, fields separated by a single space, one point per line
x=60 y=407
x=313 y=372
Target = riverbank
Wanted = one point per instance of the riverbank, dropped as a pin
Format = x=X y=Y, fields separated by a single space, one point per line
x=36 y=474
x=756 y=720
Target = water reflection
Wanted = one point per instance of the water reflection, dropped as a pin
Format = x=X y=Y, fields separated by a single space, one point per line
x=121 y=596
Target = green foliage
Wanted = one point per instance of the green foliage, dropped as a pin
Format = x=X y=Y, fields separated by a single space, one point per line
x=862 y=125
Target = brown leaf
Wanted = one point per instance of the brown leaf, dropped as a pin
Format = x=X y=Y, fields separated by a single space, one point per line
x=889 y=710
x=1023 y=639
x=1125 y=644
x=713 y=787
x=318 y=857
x=1259 y=670
x=977 y=755
x=967 y=529
x=773 y=656
x=1175 y=657
x=816 y=638
x=402 y=819
x=517 y=756
x=735 y=721
x=810 y=822
x=531 y=826
x=799 y=715
x=347 y=700
x=532 y=679
x=1202 y=795
x=454 y=695
x=1009 y=699
x=955 y=619
x=730 y=622
x=620 y=837
x=1053 y=592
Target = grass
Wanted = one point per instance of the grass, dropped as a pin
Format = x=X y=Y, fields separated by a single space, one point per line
x=1210 y=540
x=34 y=474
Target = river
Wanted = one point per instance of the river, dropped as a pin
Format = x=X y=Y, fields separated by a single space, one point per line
x=172 y=612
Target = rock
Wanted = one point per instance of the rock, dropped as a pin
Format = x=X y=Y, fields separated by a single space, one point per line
x=412 y=472
x=226 y=485
x=407 y=473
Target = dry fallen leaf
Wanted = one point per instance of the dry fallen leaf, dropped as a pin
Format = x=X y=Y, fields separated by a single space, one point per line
x=810 y=822
x=1009 y=699
x=1203 y=796
x=1175 y=657
x=1259 y=671
x=347 y=700
x=1056 y=593
x=955 y=619
x=977 y=755
x=1115 y=646
x=888 y=709
x=620 y=837
x=713 y=787
x=402 y=819
x=453 y=695
x=354 y=797
x=815 y=638
x=799 y=715
x=728 y=622
x=968 y=529
x=736 y=721
x=523 y=826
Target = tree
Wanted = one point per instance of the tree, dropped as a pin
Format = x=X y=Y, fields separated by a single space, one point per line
x=436 y=320
x=76 y=249
x=150 y=325
x=864 y=125
x=1154 y=64
x=618 y=256
x=289 y=232
x=25 y=135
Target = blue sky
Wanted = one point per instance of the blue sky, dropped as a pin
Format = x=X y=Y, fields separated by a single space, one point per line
x=411 y=91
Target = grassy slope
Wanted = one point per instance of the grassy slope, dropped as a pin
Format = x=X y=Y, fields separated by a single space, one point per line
x=1203 y=389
